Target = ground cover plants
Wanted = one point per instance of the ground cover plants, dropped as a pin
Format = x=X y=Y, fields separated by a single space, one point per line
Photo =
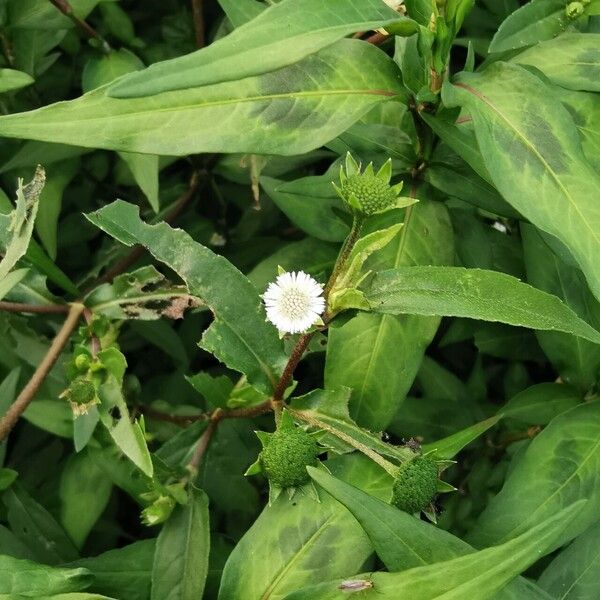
x=299 y=299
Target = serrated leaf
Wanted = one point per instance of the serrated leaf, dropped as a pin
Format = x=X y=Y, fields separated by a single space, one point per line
x=239 y=335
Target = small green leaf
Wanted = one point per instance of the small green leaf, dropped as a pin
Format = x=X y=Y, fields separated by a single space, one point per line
x=13 y=80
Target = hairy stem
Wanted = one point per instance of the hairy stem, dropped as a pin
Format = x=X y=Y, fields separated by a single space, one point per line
x=17 y=408
x=198 y=22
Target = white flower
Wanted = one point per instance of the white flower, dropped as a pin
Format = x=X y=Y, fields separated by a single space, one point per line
x=294 y=302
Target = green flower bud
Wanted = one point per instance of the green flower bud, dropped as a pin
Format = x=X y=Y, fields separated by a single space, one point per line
x=82 y=391
x=287 y=454
x=82 y=362
x=159 y=511
x=574 y=10
x=368 y=193
x=415 y=485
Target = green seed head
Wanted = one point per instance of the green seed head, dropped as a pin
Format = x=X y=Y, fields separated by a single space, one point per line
x=82 y=391
x=415 y=485
x=367 y=193
x=285 y=458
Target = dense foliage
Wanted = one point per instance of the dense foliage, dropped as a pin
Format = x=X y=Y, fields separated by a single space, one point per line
x=299 y=299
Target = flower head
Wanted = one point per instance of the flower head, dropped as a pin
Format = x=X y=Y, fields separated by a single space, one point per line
x=294 y=302
x=367 y=192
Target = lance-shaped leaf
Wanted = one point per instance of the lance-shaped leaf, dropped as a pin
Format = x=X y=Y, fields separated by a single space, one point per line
x=477 y=576
x=16 y=228
x=289 y=111
x=571 y=60
x=280 y=36
x=181 y=555
x=403 y=542
x=519 y=134
x=239 y=335
x=475 y=294
x=327 y=410
x=560 y=465
x=143 y=294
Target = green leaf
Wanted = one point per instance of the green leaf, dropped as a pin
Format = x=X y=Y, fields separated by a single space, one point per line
x=376 y=355
x=302 y=106
x=31 y=14
x=32 y=580
x=127 y=435
x=577 y=360
x=13 y=80
x=403 y=542
x=539 y=404
x=450 y=446
x=477 y=576
x=242 y=11
x=475 y=294
x=142 y=294
x=123 y=572
x=536 y=21
x=84 y=493
x=571 y=60
x=560 y=465
x=16 y=228
x=11 y=280
x=573 y=574
x=311 y=204
x=36 y=528
x=280 y=36
x=328 y=410
x=239 y=335
x=181 y=555
x=144 y=168
x=516 y=132
x=311 y=539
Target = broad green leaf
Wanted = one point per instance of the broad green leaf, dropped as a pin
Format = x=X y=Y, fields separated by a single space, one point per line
x=67 y=596
x=32 y=14
x=144 y=168
x=450 y=446
x=376 y=355
x=242 y=11
x=36 y=528
x=16 y=228
x=142 y=294
x=477 y=576
x=127 y=435
x=517 y=133
x=280 y=36
x=576 y=359
x=560 y=465
x=82 y=484
x=13 y=80
x=312 y=204
x=32 y=580
x=539 y=404
x=573 y=574
x=123 y=572
x=295 y=543
x=571 y=60
x=328 y=410
x=239 y=335
x=403 y=542
x=301 y=106
x=181 y=555
x=536 y=21
x=475 y=294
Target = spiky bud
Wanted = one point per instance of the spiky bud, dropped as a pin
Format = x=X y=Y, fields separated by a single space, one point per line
x=574 y=10
x=287 y=454
x=368 y=193
x=415 y=485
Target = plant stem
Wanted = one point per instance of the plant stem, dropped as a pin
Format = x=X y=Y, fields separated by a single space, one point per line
x=198 y=22
x=17 y=408
x=66 y=9
x=45 y=309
